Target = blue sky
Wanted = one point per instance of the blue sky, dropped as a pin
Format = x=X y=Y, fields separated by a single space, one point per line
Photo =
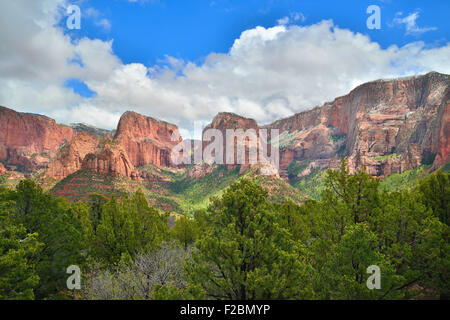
x=185 y=61
x=146 y=31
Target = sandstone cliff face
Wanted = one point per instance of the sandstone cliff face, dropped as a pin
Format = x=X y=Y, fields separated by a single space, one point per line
x=246 y=136
x=70 y=157
x=146 y=140
x=222 y=122
x=110 y=159
x=443 y=131
x=2 y=169
x=139 y=140
x=30 y=140
x=388 y=126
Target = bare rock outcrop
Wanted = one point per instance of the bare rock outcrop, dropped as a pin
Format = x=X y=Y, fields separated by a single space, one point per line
x=2 y=169
x=388 y=126
x=110 y=159
x=30 y=140
x=237 y=132
x=146 y=140
x=71 y=155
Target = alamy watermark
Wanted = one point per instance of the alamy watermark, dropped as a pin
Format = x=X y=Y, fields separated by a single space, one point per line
x=374 y=281
x=374 y=20
x=231 y=146
x=74 y=19
x=74 y=280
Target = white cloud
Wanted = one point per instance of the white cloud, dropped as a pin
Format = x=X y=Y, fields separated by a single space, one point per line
x=283 y=21
x=293 y=17
x=85 y=113
x=411 y=24
x=268 y=73
x=96 y=16
x=104 y=23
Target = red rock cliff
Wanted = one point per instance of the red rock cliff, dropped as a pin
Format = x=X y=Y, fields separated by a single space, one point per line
x=387 y=125
x=248 y=130
x=30 y=140
x=110 y=159
x=146 y=140
x=70 y=157
x=2 y=169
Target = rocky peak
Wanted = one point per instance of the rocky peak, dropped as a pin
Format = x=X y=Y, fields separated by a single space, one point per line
x=228 y=120
x=110 y=159
x=30 y=140
x=224 y=121
x=146 y=140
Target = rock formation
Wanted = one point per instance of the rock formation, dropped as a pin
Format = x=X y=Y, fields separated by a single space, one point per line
x=2 y=169
x=30 y=140
x=146 y=140
x=246 y=135
x=110 y=159
x=71 y=155
x=387 y=125
x=139 y=140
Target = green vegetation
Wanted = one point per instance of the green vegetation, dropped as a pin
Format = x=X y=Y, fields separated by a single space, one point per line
x=405 y=180
x=311 y=185
x=446 y=168
x=244 y=245
x=294 y=169
x=389 y=156
x=195 y=193
x=428 y=158
x=278 y=190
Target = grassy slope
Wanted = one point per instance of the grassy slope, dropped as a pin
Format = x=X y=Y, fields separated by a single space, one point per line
x=171 y=190
x=279 y=190
x=405 y=180
x=311 y=185
x=195 y=194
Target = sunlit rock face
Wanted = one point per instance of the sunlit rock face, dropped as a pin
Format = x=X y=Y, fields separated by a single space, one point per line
x=29 y=141
x=71 y=155
x=146 y=140
x=388 y=126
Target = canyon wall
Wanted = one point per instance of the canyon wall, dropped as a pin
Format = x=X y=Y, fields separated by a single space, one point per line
x=28 y=140
x=388 y=126
x=146 y=140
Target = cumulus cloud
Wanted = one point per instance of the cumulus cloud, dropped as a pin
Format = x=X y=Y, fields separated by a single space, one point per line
x=267 y=74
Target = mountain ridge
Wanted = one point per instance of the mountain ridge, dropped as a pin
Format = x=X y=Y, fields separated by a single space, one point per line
x=387 y=126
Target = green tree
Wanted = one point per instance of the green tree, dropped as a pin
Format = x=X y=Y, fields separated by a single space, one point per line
x=415 y=241
x=18 y=250
x=127 y=227
x=350 y=199
x=345 y=272
x=246 y=254
x=52 y=220
x=185 y=231
x=96 y=202
x=435 y=191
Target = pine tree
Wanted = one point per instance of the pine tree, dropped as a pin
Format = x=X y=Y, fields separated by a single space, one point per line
x=246 y=254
